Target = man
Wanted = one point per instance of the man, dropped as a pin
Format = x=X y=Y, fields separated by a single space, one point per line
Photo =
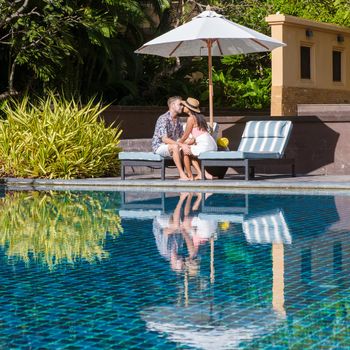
x=167 y=131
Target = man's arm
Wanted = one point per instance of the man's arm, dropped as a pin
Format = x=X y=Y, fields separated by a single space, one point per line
x=163 y=132
x=185 y=148
x=168 y=140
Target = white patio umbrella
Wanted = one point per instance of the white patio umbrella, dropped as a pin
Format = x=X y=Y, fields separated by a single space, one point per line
x=209 y=34
x=209 y=326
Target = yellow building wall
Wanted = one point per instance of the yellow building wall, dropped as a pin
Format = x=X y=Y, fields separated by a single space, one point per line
x=288 y=89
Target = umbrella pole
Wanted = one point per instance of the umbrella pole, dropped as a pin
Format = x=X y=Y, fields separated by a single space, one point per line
x=212 y=267
x=211 y=91
x=278 y=279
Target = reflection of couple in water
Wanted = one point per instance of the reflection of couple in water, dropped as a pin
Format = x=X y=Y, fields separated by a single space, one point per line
x=183 y=230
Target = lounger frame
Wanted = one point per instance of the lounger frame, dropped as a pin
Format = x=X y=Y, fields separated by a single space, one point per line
x=248 y=165
x=155 y=164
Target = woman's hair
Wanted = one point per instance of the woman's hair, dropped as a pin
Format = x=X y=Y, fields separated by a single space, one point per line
x=201 y=122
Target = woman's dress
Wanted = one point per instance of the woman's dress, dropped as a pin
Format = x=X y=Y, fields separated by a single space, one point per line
x=204 y=142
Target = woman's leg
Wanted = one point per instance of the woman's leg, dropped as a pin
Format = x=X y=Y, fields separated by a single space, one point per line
x=195 y=163
x=208 y=176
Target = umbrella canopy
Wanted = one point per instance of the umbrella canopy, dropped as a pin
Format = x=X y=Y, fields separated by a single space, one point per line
x=209 y=34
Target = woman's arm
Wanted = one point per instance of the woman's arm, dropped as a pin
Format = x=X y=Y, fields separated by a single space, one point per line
x=189 y=126
x=190 y=141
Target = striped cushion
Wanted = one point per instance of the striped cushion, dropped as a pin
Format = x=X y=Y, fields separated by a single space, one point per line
x=268 y=228
x=265 y=136
x=238 y=155
x=140 y=156
x=266 y=128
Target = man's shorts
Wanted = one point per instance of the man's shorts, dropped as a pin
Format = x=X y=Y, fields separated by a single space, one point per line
x=163 y=150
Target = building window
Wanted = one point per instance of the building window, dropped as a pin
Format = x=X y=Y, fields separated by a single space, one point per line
x=305 y=62
x=336 y=65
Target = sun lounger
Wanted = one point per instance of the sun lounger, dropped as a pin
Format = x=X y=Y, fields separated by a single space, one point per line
x=222 y=217
x=263 y=142
x=144 y=203
x=232 y=208
x=150 y=159
x=267 y=228
x=139 y=214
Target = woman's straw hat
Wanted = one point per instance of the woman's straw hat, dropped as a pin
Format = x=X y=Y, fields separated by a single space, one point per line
x=192 y=104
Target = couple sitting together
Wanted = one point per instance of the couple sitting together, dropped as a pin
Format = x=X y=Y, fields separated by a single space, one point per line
x=184 y=146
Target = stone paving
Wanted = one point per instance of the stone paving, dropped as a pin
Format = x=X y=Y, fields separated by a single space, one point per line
x=231 y=182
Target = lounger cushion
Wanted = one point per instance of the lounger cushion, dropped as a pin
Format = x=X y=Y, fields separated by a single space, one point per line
x=140 y=156
x=268 y=228
x=239 y=155
x=221 y=155
x=234 y=218
x=139 y=214
x=265 y=136
x=271 y=128
x=267 y=144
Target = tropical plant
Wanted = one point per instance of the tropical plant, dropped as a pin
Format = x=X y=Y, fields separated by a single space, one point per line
x=51 y=229
x=57 y=138
x=35 y=37
x=329 y=11
x=244 y=83
x=84 y=48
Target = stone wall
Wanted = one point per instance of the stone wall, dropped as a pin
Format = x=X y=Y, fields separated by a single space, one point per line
x=319 y=143
x=291 y=97
x=322 y=39
x=138 y=122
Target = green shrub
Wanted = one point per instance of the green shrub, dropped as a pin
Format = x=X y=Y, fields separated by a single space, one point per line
x=57 y=138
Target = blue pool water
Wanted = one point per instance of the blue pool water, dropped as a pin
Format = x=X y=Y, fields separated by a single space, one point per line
x=110 y=270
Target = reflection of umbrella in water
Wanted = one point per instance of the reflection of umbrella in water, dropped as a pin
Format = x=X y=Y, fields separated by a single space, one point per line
x=201 y=327
x=209 y=34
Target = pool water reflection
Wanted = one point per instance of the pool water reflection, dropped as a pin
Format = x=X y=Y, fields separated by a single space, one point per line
x=52 y=228
x=176 y=270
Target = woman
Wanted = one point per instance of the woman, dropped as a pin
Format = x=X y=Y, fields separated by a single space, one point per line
x=196 y=135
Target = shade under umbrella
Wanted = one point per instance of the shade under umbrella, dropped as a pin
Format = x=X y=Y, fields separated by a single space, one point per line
x=209 y=34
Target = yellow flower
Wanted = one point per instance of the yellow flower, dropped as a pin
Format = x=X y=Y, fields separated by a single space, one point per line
x=222 y=142
x=224 y=226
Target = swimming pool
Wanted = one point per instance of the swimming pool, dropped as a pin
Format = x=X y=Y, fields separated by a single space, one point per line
x=100 y=270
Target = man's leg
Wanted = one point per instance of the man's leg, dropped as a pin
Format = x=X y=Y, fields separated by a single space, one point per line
x=187 y=162
x=175 y=153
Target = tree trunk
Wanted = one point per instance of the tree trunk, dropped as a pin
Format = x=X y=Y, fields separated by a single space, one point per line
x=11 y=77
